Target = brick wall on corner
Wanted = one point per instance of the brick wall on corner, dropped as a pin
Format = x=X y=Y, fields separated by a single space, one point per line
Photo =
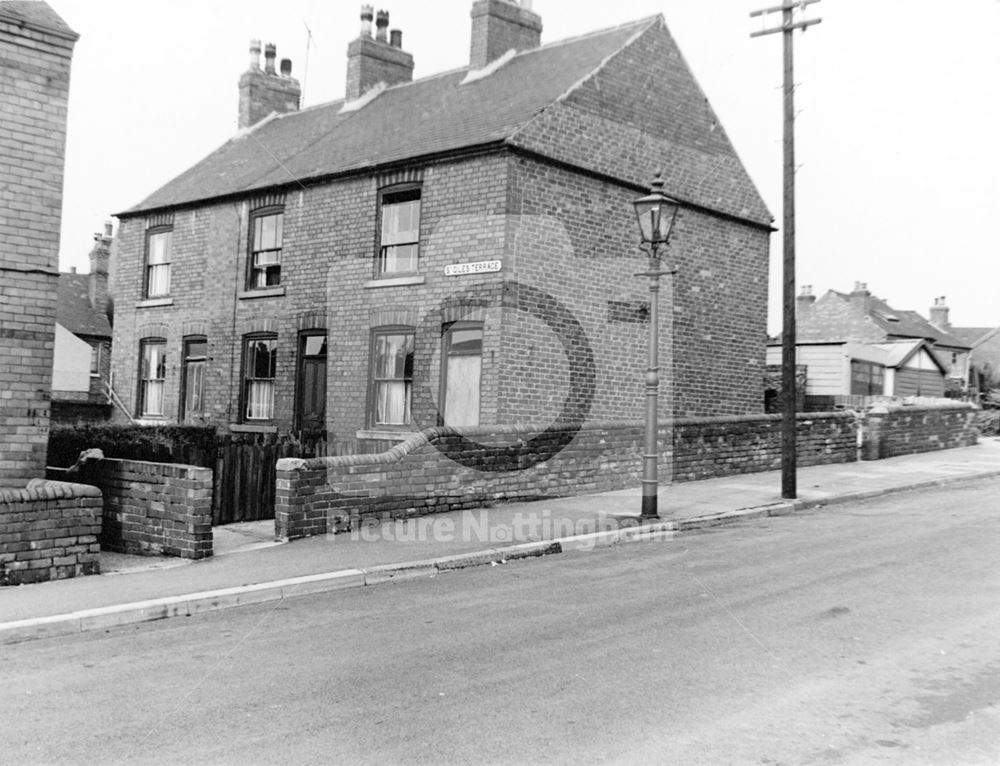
x=48 y=531
x=152 y=508
x=437 y=470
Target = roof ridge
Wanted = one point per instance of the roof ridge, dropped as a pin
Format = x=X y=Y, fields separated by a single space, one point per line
x=642 y=26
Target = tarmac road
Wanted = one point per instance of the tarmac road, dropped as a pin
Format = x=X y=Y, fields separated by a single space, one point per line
x=865 y=633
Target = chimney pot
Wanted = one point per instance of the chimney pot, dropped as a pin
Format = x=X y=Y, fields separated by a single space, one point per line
x=255 y=54
x=370 y=62
x=381 y=23
x=264 y=93
x=367 y=14
x=107 y=229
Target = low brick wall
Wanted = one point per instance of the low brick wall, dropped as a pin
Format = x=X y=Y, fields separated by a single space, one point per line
x=49 y=531
x=500 y=463
x=152 y=508
x=709 y=447
x=905 y=430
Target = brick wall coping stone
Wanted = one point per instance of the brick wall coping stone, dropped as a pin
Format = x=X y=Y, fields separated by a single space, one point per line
x=944 y=405
x=427 y=435
x=41 y=489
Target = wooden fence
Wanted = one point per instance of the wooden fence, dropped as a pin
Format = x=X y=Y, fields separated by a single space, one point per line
x=245 y=472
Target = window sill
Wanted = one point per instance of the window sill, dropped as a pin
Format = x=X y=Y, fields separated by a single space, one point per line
x=385 y=434
x=262 y=292
x=153 y=302
x=151 y=420
x=249 y=428
x=412 y=279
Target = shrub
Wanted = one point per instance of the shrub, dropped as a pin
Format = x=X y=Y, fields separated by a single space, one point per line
x=194 y=445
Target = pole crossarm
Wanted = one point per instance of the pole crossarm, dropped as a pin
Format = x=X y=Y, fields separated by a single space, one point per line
x=788 y=28
x=791 y=6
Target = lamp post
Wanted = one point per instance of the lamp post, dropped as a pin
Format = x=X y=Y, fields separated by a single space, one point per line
x=656 y=213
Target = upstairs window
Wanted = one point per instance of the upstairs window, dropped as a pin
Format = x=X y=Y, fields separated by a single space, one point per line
x=399 y=232
x=158 y=246
x=152 y=375
x=392 y=377
x=259 y=368
x=266 y=234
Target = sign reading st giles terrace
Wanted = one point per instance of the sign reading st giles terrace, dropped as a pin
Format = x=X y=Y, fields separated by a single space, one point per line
x=479 y=267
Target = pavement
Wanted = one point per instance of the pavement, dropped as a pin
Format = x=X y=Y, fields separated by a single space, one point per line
x=250 y=566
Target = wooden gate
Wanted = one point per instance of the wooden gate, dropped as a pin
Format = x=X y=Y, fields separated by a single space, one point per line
x=245 y=472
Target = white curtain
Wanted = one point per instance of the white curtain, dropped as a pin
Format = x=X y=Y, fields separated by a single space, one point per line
x=260 y=400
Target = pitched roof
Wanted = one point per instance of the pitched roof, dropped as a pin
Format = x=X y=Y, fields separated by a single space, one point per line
x=907 y=324
x=441 y=114
x=899 y=352
x=973 y=336
x=74 y=311
x=36 y=14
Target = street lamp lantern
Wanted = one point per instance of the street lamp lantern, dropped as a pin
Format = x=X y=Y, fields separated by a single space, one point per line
x=656 y=213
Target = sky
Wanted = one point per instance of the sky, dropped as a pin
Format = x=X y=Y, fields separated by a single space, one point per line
x=897 y=130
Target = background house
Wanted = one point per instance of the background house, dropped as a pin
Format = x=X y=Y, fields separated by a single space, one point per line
x=36 y=48
x=82 y=354
x=838 y=372
x=456 y=249
x=984 y=342
x=855 y=344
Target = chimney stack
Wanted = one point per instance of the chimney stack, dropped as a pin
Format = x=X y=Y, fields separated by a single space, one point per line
x=263 y=92
x=804 y=302
x=100 y=257
x=374 y=60
x=861 y=296
x=498 y=26
x=939 y=314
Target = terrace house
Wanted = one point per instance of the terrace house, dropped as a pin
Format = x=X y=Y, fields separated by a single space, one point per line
x=459 y=249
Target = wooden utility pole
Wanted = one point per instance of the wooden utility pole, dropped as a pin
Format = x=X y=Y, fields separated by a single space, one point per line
x=788 y=456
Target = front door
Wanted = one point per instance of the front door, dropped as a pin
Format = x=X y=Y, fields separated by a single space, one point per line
x=310 y=410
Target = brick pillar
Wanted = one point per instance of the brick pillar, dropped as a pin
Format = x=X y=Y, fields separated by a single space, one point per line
x=36 y=49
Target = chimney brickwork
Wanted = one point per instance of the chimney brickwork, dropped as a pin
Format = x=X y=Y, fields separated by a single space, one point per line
x=100 y=258
x=939 y=314
x=500 y=25
x=374 y=60
x=805 y=301
x=265 y=91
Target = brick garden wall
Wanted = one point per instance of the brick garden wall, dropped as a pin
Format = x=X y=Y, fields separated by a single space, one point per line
x=34 y=88
x=905 y=430
x=708 y=447
x=152 y=508
x=494 y=463
x=49 y=531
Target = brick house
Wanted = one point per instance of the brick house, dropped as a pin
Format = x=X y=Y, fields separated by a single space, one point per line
x=81 y=366
x=856 y=344
x=36 y=48
x=460 y=248
x=983 y=342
